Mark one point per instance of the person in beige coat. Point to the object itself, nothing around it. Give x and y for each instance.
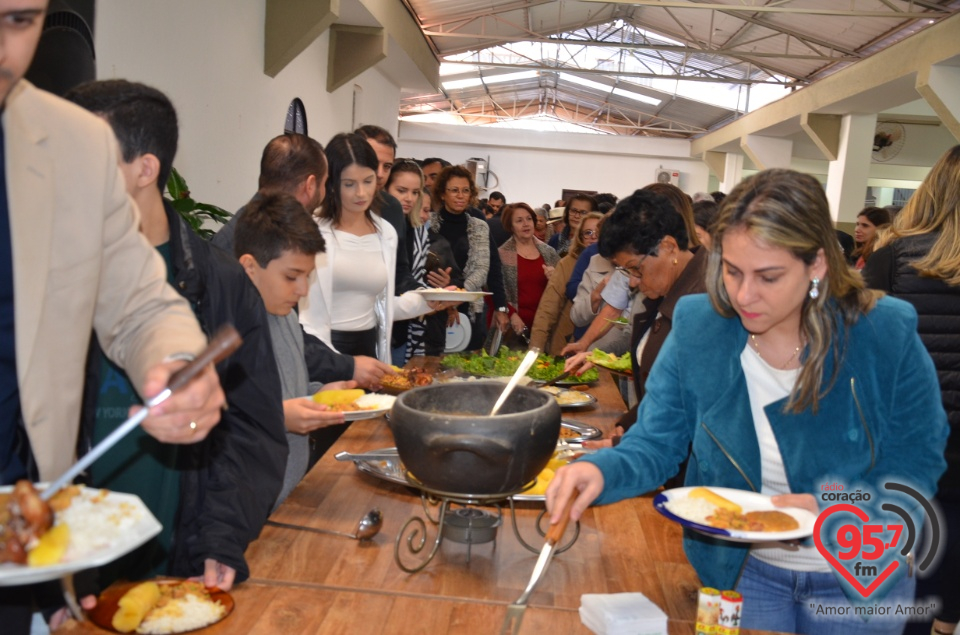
(552, 326)
(79, 263)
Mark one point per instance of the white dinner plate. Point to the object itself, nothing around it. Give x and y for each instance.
(750, 502)
(127, 525)
(458, 335)
(376, 404)
(444, 295)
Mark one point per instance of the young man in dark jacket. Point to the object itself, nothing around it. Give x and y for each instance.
(215, 495)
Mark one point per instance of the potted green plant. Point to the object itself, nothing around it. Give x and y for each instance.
(195, 213)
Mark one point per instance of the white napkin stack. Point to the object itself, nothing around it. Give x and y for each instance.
(622, 614)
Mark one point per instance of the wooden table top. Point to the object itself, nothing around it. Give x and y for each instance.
(303, 582)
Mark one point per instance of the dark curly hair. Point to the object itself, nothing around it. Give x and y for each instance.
(639, 222)
(451, 172)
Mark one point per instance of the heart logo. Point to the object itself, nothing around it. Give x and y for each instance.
(862, 515)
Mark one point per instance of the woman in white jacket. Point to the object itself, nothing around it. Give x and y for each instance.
(351, 304)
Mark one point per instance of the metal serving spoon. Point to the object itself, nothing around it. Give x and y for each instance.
(367, 528)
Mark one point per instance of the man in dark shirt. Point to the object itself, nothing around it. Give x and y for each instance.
(209, 508)
(497, 201)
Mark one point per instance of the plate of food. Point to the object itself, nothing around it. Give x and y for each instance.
(354, 403)
(451, 295)
(537, 491)
(620, 322)
(617, 364)
(405, 379)
(506, 361)
(735, 515)
(81, 528)
(576, 431)
(166, 605)
(570, 399)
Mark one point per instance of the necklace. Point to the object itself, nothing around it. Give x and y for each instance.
(756, 347)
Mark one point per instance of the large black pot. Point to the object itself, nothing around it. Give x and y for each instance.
(448, 442)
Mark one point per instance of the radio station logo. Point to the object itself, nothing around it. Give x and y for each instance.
(863, 550)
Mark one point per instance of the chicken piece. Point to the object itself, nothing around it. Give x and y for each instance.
(11, 549)
(28, 507)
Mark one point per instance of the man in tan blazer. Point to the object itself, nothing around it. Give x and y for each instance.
(77, 261)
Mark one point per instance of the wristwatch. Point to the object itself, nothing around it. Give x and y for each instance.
(502, 309)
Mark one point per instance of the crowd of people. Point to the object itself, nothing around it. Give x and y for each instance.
(763, 359)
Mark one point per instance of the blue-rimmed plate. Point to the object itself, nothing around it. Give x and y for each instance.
(670, 503)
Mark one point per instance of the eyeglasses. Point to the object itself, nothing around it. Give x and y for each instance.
(455, 191)
(633, 270)
(576, 212)
(591, 233)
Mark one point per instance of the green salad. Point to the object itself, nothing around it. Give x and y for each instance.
(507, 361)
(620, 364)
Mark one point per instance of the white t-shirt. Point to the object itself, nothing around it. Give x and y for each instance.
(765, 385)
(359, 276)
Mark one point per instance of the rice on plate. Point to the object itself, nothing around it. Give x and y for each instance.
(692, 509)
(97, 521)
(182, 614)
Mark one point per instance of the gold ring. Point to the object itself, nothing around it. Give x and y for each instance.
(193, 426)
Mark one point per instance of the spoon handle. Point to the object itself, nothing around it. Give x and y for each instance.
(525, 365)
(274, 523)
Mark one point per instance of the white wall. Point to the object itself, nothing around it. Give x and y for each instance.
(534, 167)
(208, 58)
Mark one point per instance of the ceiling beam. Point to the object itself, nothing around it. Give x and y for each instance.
(494, 40)
(596, 71)
(804, 38)
(933, 45)
(481, 13)
(734, 8)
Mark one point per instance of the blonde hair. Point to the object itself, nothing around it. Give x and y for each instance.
(789, 210)
(934, 208)
(412, 167)
(576, 245)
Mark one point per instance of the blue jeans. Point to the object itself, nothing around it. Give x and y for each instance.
(776, 599)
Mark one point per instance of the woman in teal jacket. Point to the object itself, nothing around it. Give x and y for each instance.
(788, 377)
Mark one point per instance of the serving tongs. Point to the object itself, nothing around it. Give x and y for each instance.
(374, 455)
(511, 624)
(223, 344)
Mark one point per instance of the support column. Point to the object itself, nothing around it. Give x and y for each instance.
(732, 172)
(716, 161)
(290, 26)
(353, 49)
(824, 131)
(767, 152)
(847, 176)
(940, 87)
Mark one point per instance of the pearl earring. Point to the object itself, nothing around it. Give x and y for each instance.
(815, 288)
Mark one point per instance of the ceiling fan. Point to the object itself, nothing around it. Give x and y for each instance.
(888, 140)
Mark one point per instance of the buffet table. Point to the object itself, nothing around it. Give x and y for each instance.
(309, 583)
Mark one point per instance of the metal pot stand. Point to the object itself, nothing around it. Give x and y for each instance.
(468, 525)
